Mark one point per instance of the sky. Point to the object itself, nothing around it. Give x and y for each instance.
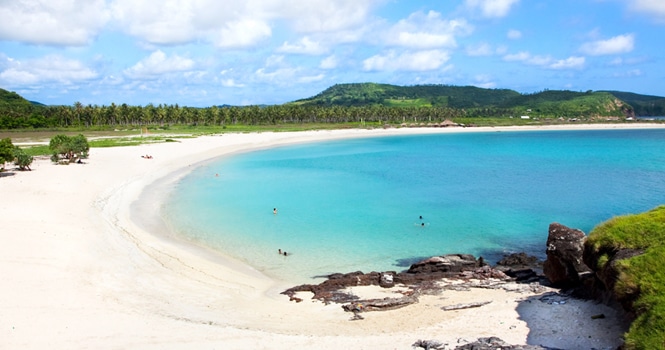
(201, 53)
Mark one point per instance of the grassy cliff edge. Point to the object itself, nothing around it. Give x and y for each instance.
(628, 255)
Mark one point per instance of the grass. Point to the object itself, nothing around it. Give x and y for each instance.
(35, 142)
(641, 275)
(418, 102)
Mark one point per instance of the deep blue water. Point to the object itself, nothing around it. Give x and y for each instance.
(356, 204)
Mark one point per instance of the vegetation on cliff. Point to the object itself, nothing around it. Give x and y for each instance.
(638, 280)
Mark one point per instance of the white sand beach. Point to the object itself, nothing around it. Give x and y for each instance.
(80, 270)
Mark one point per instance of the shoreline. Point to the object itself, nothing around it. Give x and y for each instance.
(88, 269)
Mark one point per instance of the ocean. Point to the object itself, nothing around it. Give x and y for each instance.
(383, 203)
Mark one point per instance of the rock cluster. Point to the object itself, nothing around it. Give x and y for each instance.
(564, 264)
(420, 277)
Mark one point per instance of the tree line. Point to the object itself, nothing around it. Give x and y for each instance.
(125, 115)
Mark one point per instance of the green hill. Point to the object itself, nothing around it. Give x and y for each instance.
(644, 105)
(364, 94)
(17, 112)
(564, 103)
(9, 99)
(548, 103)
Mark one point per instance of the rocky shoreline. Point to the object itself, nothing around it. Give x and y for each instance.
(563, 275)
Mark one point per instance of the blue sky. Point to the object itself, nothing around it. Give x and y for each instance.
(210, 52)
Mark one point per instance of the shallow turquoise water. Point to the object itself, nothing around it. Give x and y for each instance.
(355, 204)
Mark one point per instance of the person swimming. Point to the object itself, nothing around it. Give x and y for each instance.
(274, 211)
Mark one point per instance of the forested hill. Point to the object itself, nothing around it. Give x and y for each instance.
(10, 98)
(644, 105)
(363, 94)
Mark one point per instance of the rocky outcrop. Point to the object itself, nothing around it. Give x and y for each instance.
(564, 264)
(494, 343)
(445, 264)
(420, 276)
(521, 267)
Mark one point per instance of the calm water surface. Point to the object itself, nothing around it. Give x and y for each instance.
(356, 204)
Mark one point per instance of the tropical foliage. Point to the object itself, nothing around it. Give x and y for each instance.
(342, 103)
(6, 151)
(69, 149)
(9, 152)
(22, 159)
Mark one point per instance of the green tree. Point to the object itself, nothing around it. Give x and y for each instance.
(6, 151)
(22, 159)
(69, 148)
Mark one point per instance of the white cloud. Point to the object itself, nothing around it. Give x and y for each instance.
(491, 8)
(407, 61)
(483, 49)
(168, 22)
(230, 83)
(484, 81)
(279, 76)
(311, 78)
(314, 16)
(243, 33)
(514, 34)
(236, 24)
(330, 62)
(304, 46)
(48, 69)
(616, 45)
(655, 8)
(572, 62)
(548, 62)
(157, 64)
(425, 31)
(52, 22)
(520, 56)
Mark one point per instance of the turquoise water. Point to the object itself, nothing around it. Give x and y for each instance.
(356, 204)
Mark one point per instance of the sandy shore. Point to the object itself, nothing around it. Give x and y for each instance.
(79, 270)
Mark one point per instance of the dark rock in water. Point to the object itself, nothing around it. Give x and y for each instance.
(494, 343)
(564, 263)
(451, 264)
(519, 260)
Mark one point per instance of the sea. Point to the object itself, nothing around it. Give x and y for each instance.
(383, 203)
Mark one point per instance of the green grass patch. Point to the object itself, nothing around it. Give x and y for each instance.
(641, 275)
(39, 150)
(417, 102)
